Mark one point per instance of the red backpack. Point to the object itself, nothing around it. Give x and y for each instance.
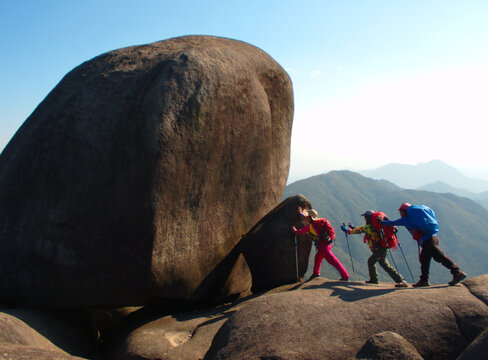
(321, 226)
(386, 233)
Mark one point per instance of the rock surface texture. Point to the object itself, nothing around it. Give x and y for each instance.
(318, 319)
(334, 320)
(388, 346)
(19, 341)
(140, 172)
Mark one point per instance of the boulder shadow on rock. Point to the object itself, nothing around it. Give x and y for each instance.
(269, 247)
(72, 331)
(478, 349)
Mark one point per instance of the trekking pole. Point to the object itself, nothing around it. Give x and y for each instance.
(296, 256)
(392, 259)
(350, 255)
(406, 262)
(389, 252)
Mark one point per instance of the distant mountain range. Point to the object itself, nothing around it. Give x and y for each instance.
(341, 196)
(441, 187)
(435, 176)
(422, 174)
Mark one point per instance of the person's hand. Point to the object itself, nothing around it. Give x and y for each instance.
(294, 229)
(344, 228)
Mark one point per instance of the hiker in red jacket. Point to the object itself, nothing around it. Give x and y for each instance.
(322, 234)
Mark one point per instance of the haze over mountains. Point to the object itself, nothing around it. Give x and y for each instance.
(341, 196)
(436, 176)
(415, 176)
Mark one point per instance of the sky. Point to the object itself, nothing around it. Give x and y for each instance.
(374, 82)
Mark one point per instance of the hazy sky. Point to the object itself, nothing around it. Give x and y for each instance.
(374, 82)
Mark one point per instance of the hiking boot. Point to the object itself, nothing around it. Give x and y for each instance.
(460, 276)
(344, 279)
(313, 276)
(421, 283)
(402, 283)
(371, 281)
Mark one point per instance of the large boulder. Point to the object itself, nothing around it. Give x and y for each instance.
(140, 172)
(334, 320)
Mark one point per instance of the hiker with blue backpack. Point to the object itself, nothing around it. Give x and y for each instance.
(379, 242)
(421, 222)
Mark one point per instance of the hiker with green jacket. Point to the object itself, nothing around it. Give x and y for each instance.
(379, 251)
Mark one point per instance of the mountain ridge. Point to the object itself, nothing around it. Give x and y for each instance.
(442, 187)
(422, 174)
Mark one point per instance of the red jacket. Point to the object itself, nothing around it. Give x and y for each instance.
(316, 227)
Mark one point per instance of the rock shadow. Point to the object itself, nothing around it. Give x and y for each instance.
(351, 291)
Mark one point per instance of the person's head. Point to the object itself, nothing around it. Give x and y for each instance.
(367, 216)
(403, 209)
(310, 215)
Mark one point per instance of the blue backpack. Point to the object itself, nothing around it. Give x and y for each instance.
(423, 218)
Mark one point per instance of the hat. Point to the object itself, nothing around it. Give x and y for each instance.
(404, 206)
(368, 213)
(312, 213)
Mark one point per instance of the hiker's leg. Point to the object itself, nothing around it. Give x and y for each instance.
(373, 273)
(440, 257)
(319, 256)
(334, 261)
(383, 261)
(425, 257)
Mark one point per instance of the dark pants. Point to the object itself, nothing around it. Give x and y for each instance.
(431, 250)
(379, 255)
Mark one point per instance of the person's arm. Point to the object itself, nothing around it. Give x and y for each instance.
(303, 230)
(357, 230)
(403, 221)
(330, 230)
(416, 234)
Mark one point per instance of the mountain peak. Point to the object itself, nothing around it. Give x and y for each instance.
(435, 162)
